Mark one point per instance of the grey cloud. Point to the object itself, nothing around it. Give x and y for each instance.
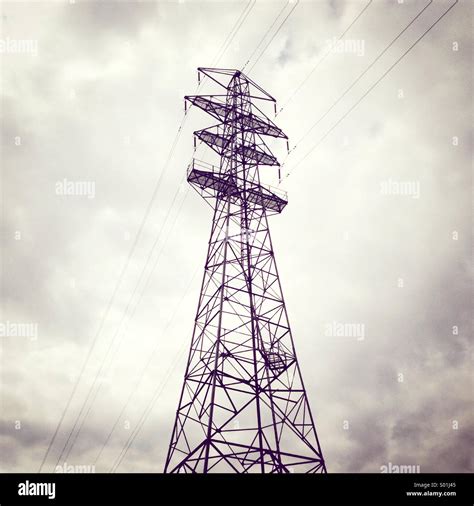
(129, 65)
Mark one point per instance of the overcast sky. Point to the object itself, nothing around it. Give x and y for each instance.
(97, 97)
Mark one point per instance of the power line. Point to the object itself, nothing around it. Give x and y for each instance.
(231, 31)
(305, 80)
(158, 391)
(372, 87)
(129, 304)
(230, 37)
(274, 35)
(155, 349)
(264, 37)
(144, 369)
(117, 285)
(250, 5)
(130, 316)
(361, 75)
(150, 205)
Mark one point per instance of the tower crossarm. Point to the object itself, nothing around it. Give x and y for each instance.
(220, 142)
(215, 106)
(211, 182)
(221, 77)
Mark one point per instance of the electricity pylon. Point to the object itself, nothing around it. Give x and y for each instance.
(243, 406)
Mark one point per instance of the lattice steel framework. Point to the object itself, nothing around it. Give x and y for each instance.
(243, 406)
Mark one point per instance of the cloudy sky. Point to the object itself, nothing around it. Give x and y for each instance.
(92, 92)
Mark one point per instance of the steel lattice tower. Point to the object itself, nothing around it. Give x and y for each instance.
(243, 406)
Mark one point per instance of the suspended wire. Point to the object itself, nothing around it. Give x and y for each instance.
(124, 317)
(305, 80)
(154, 351)
(230, 37)
(230, 33)
(129, 304)
(144, 370)
(274, 35)
(250, 5)
(132, 313)
(138, 302)
(130, 318)
(362, 74)
(290, 151)
(114, 293)
(372, 87)
(147, 213)
(178, 190)
(156, 395)
(265, 36)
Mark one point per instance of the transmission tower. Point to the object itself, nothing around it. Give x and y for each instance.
(243, 406)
